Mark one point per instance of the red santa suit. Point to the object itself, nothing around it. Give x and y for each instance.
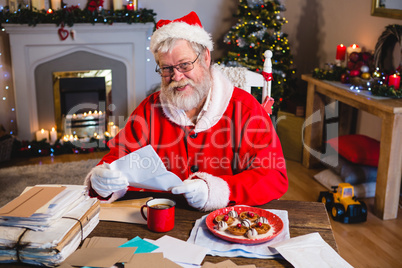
(233, 146)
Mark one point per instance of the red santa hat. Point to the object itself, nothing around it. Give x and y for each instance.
(188, 27)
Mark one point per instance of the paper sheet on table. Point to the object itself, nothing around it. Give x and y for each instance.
(310, 251)
(180, 251)
(124, 211)
(100, 257)
(144, 169)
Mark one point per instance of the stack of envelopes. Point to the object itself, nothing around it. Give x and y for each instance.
(46, 223)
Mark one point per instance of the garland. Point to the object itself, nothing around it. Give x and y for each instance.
(70, 15)
(332, 74)
(335, 74)
(386, 91)
(42, 148)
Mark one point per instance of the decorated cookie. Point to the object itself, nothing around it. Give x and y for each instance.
(261, 228)
(249, 215)
(237, 229)
(229, 220)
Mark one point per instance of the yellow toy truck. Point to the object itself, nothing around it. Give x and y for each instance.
(342, 204)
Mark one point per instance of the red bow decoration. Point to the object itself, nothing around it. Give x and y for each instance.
(190, 18)
(267, 104)
(267, 76)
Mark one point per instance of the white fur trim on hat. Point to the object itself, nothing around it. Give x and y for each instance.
(218, 191)
(181, 30)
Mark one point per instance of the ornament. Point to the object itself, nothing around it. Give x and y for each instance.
(364, 69)
(254, 3)
(354, 57)
(366, 76)
(354, 73)
(63, 33)
(72, 33)
(344, 78)
(241, 42)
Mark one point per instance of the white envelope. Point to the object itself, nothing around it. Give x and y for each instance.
(310, 251)
(180, 251)
(144, 169)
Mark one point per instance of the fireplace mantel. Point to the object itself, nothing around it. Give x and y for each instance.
(32, 46)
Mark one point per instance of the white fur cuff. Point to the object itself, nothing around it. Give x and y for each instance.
(87, 181)
(218, 191)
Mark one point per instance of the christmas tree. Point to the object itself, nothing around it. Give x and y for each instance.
(257, 30)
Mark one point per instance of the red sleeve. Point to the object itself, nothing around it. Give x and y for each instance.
(260, 175)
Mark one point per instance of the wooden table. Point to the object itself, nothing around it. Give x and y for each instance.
(389, 110)
(304, 218)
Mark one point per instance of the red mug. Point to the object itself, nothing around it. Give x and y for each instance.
(160, 214)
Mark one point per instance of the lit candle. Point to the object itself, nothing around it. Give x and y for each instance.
(394, 80)
(38, 4)
(117, 4)
(42, 134)
(106, 4)
(340, 52)
(109, 127)
(130, 6)
(49, 11)
(114, 130)
(353, 48)
(53, 136)
(56, 4)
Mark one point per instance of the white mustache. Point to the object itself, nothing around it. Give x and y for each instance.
(181, 83)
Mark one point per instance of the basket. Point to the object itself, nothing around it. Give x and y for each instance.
(6, 146)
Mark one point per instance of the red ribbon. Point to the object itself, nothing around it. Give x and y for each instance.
(267, 104)
(267, 76)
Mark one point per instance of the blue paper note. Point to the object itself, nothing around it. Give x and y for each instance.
(142, 245)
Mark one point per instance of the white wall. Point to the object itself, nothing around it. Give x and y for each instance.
(316, 27)
(215, 15)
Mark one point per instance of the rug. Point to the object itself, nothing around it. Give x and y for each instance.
(13, 180)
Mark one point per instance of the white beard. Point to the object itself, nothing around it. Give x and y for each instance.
(186, 100)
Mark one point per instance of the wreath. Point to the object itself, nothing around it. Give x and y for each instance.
(383, 53)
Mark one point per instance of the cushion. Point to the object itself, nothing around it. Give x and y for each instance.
(358, 149)
(328, 178)
(348, 171)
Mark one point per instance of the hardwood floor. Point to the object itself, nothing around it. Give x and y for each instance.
(374, 243)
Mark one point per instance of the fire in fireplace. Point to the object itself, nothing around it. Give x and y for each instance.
(81, 101)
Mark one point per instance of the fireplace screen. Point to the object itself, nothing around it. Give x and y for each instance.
(82, 100)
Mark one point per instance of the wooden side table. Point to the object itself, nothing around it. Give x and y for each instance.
(389, 110)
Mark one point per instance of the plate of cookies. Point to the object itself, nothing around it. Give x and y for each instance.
(244, 224)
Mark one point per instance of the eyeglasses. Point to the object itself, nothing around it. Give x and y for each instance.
(181, 67)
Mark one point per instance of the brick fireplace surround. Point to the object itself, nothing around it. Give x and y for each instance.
(34, 46)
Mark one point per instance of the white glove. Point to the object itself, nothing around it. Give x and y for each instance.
(195, 191)
(106, 181)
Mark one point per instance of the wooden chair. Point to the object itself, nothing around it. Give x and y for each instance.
(245, 79)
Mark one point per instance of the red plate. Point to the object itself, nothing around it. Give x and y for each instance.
(273, 220)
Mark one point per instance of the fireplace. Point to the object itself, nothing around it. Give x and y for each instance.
(82, 102)
(38, 52)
